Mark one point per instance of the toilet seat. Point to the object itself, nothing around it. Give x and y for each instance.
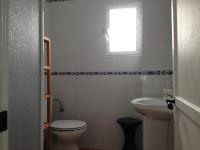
(68, 125)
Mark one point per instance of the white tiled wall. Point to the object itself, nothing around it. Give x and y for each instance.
(99, 101)
(152, 85)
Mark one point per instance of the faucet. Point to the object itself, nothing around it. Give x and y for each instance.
(60, 103)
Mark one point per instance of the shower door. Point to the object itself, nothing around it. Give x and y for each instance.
(3, 78)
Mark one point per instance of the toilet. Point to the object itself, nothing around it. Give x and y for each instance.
(66, 133)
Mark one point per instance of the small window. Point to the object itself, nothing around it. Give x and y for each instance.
(123, 32)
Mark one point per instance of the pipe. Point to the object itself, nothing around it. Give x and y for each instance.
(60, 103)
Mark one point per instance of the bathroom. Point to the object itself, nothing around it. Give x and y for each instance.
(91, 84)
(79, 45)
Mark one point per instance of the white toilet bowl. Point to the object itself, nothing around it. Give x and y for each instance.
(66, 134)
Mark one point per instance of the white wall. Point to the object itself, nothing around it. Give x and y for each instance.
(80, 44)
(157, 53)
(76, 30)
(99, 101)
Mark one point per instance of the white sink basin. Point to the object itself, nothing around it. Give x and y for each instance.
(154, 107)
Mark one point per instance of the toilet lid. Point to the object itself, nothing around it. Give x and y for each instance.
(68, 124)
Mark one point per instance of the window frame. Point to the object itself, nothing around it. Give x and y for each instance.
(139, 14)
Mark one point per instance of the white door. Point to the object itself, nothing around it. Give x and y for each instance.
(3, 73)
(186, 50)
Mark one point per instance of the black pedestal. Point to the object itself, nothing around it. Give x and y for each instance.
(129, 126)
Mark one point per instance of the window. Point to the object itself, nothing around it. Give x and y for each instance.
(123, 32)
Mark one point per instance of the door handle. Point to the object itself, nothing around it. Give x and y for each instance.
(171, 103)
(3, 121)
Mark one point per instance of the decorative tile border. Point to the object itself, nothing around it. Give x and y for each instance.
(133, 73)
(57, 0)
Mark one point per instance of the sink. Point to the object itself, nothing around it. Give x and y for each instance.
(153, 107)
(157, 121)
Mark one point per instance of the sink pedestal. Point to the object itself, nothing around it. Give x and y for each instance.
(157, 134)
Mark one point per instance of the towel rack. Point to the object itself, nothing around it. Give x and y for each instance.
(48, 94)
